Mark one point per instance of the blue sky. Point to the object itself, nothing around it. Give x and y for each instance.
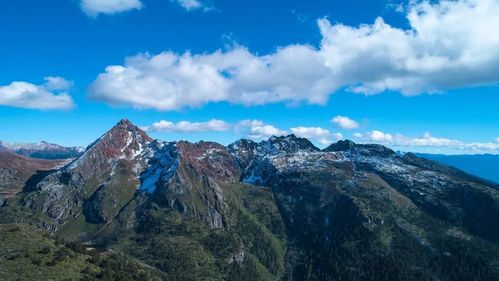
(392, 81)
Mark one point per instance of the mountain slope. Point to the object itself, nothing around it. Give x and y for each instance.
(364, 207)
(279, 209)
(16, 171)
(27, 253)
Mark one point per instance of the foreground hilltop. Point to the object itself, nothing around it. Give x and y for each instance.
(279, 209)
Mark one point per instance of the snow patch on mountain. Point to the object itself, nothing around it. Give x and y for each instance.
(160, 167)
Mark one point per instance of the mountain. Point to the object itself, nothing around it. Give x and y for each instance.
(16, 171)
(42, 150)
(279, 209)
(482, 165)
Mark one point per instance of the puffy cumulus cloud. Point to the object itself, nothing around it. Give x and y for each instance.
(190, 5)
(323, 136)
(427, 140)
(49, 96)
(345, 122)
(95, 7)
(212, 125)
(170, 81)
(164, 82)
(256, 129)
(449, 44)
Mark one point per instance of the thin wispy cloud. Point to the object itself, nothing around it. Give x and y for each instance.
(51, 95)
(450, 44)
(302, 18)
(191, 5)
(95, 7)
(212, 125)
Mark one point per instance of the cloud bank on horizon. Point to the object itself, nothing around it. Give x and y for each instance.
(253, 129)
(259, 130)
(426, 140)
(449, 45)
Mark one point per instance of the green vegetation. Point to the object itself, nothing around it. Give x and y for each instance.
(27, 253)
(184, 248)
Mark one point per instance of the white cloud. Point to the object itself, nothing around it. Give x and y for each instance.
(345, 122)
(55, 83)
(213, 125)
(256, 129)
(51, 95)
(190, 5)
(163, 82)
(450, 44)
(169, 81)
(375, 136)
(95, 7)
(426, 140)
(321, 135)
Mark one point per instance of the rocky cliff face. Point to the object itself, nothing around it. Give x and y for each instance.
(277, 209)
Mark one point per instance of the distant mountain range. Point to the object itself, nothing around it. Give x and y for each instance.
(42, 150)
(483, 165)
(279, 209)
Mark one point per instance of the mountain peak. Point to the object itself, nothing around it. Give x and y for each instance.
(123, 141)
(125, 124)
(126, 128)
(342, 145)
(125, 121)
(364, 149)
(289, 143)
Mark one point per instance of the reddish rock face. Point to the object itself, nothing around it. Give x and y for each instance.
(101, 181)
(16, 170)
(123, 142)
(209, 159)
